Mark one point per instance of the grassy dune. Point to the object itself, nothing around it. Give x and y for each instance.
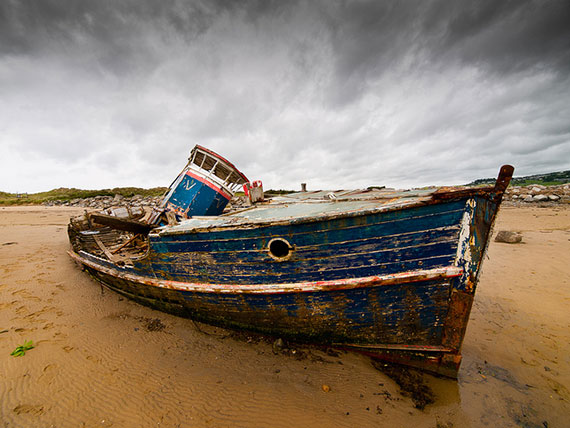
(549, 179)
(65, 194)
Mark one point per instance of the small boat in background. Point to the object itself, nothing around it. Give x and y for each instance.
(391, 274)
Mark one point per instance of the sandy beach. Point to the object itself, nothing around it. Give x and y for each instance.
(101, 360)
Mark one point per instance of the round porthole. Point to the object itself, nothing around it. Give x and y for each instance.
(279, 249)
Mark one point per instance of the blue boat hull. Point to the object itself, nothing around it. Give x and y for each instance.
(352, 247)
(392, 280)
(396, 284)
(405, 313)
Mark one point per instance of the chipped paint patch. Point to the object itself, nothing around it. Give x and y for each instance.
(371, 281)
(463, 256)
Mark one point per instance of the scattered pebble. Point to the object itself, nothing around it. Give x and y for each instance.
(154, 324)
(278, 346)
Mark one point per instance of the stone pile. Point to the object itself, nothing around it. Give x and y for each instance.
(103, 202)
(536, 193)
(518, 195)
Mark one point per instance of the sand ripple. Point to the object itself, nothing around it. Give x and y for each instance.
(101, 360)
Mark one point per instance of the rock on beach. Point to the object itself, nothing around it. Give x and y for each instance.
(508, 237)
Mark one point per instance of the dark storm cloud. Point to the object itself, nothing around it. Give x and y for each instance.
(417, 91)
(366, 38)
(115, 34)
(508, 36)
(29, 25)
(369, 38)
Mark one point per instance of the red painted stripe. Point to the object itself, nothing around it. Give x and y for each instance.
(209, 184)
(339, 284)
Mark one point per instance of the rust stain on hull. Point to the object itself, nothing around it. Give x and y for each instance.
(380, 280)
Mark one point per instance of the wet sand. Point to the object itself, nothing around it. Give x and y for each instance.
(101, 360)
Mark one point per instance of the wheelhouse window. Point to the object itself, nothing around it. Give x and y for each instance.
(225, 173)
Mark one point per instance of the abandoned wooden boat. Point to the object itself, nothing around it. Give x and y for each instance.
(391, 274)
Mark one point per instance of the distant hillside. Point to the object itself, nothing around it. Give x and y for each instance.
(65, 194)
(549, 179)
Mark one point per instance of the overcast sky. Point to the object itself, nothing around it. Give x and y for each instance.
(338, 94)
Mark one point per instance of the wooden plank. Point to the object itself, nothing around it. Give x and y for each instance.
(100, 244)
(124, 244)
(128, 225)
(327, 232)
(204, 270)
(348, 283)
(171, 217)
(245, 227)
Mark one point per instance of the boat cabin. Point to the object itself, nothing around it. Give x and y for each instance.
(204, 187)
